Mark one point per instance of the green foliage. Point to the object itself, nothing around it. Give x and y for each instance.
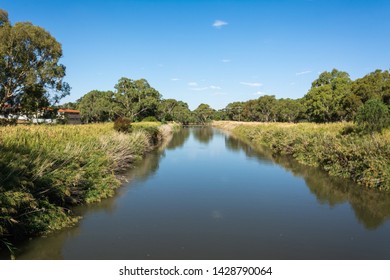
(31, 76)
(373, 116)
(203, 114)
(375, 85)
(150, 119)
(135, 99)
(324, 101)
(97, 106)
(173, 110)
(123, 125)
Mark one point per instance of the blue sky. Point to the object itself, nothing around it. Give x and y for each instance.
(213, 52)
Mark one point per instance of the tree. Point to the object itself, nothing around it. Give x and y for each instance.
(373, 116)
(29, 62)
(266, 105)
(97, 106)
(204, 113)
(166, 109)
(234, 111)
(375, 85)
(324, 101)
(136, 99)
(181, 113)
(288, 110)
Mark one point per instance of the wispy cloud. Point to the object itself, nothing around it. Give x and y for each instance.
(225, 60)
(302, 73)
(251, 84)
(219, 23)
(175, 79)
(196, 88)
(193, 84)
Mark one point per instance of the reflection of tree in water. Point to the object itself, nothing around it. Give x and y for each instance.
(258, 153)
(203, 134)
(371, 208)
(178, 139)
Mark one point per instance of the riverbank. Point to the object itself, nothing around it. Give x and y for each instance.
(334, 148)
(45, 170)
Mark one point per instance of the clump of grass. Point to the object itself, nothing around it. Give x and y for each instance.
(337, 148)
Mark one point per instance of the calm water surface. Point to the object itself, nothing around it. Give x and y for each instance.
(210, 196)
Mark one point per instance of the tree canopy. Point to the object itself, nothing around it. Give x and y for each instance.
(31, 75)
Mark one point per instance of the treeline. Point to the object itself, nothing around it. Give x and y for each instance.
(136, 100)
(333, 97)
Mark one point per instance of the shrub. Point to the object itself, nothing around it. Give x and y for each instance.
(150, 119)
(123, 125)
(373, 116)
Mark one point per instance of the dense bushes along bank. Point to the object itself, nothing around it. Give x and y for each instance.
(335, 148)
(46, 169)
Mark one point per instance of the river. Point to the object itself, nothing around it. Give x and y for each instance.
(207, 195)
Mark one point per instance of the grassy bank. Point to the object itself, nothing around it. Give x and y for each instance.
(334, 148)
(44, 170)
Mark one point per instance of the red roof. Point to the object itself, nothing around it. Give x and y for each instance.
(68, 111)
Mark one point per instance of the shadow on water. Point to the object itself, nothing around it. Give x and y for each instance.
(371, 208)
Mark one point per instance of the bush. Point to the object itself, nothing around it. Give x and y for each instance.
(150, 119)
(373, 116)
(123, 125)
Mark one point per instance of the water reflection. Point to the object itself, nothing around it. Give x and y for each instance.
(262, 155)
(371, 208)
(179, 139)
(203, 134)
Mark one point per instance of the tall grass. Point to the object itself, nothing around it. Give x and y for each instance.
(44, 170)
(335, 148)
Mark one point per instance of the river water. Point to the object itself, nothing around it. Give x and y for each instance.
(210, 196)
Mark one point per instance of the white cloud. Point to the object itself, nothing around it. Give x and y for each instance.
(251, 84)
(175, 79)
(193, 84)
(194, 87)
(219, 23)
(225, 60)
(302, 73)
